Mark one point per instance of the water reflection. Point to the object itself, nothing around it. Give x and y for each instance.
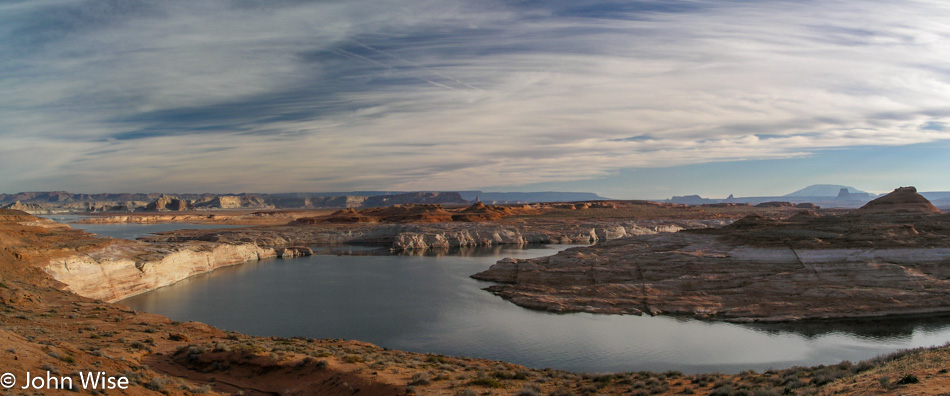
(881, 329)
(466, 251)
(428, 303)
(131, 230)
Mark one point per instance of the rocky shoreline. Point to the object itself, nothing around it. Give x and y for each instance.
(697, 275)
(403, 237)
(890, 258)
(123, 270)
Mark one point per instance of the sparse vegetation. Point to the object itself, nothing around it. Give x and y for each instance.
(94, 338)
(488, 382)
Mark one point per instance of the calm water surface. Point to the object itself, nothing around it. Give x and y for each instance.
(130, 230)
(429, 304)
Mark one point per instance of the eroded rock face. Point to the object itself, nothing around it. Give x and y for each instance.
(293, 251)
(121, 271)
(470, 235)
(904, 200)
(169, 203)
(699, 275)
(893, 257)
(233, 202)
(31, 208)
(429, 236)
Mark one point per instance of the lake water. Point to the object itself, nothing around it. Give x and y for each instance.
(429, 304)
(130, 230)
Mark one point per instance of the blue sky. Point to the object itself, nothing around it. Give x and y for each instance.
(630, 99)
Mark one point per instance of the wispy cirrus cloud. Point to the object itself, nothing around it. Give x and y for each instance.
(338, 95)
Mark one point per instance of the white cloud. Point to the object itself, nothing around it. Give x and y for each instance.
(445, 95)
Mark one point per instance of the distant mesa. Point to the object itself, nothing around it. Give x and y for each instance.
(169, 203)
(824, 195)
(233, 202)
(529, 197)
(726, 205)
(415, 198)
(844, 194)
(692, 200)
(64, 202)
(825, 190)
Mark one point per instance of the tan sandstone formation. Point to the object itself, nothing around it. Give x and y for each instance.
(169, 203)
(404, 237)
(122, 270)
(891, 257)
(233, 202)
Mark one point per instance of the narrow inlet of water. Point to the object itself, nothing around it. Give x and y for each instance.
(131, 230)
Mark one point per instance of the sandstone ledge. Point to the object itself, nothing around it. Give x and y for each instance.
(891, 257)
(701, 276)
(408, 237)
(124, 270)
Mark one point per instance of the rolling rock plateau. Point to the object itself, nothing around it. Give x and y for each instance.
(891, 256)
(128, 268)
(56, 284)
(416, 228)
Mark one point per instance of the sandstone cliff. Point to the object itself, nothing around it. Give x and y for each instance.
(31, 208)
(123, 270)
(447, 236)
(402, 237)
(233, 202)
(168, 202)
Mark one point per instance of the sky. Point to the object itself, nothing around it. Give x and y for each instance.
(629, 99)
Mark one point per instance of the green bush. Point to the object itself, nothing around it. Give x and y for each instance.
(908, 379)
(488, 382)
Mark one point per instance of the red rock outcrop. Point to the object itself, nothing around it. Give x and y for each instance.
(481, 212)
(344, 216)
(425, 213)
